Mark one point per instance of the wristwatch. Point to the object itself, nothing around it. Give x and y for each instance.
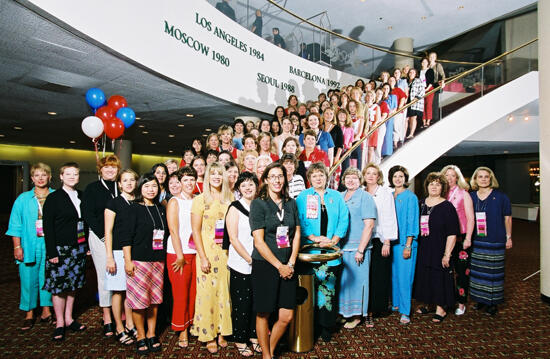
(361, 253)
(408, 247)
(290, 265)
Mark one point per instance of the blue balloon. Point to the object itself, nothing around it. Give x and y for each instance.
(127, 116)
(95, 98)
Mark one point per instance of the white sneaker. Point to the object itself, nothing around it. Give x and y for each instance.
(459, 311)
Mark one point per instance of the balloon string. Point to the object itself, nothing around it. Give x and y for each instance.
(104, 144)
(95, 140)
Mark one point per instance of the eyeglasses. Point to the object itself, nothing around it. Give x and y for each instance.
(276, 177)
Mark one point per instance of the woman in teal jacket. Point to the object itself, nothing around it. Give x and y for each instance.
(29, 250)
(324, 220)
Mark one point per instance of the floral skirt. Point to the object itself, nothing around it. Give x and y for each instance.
(69, 273)
(326, 281)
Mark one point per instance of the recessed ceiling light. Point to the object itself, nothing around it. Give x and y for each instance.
(17, 128)
(204, 135)
(153, 143)
(145, 132)
(138, 118)
(170, 151)
(72, 141)
(423, 18)
(461, 7)
(2, 135)
(171, 135)
(526, 118)
(510, 118)
(208, 129)
(141, 126)
(181, 125)
(390, 27)
(190, 115)
(505, 151)
(51, 113)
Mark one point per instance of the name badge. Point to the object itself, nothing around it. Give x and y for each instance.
(191, 243)
(218, 231)
(282, 237)
(307, 164)
(39, 228)
(481, 224)
(312, 207)
(80, 234)
(424, 225)
(158, 239)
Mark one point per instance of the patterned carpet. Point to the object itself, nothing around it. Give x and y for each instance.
(519, 330)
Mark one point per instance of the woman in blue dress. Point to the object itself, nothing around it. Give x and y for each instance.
(324, 219)
(404, 252)
(492, 236)
(356, 248)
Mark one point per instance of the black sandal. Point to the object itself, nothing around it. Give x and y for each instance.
(142, 344)
(58, 334)
(28, 324)
(76, 326)
(108, 330)
(438, 318)
(124, 338)
(48, 320)
(151, 342)
(423, 310)
(257, 348)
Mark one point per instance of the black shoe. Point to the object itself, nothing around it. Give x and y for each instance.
(154, 344)
(326, 335)
(479, 306)
(491, 310)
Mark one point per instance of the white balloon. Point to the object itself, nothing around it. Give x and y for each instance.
(92, 126)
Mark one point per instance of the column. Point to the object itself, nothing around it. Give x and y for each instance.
(123, 150)
(403, 44)
(544, 145)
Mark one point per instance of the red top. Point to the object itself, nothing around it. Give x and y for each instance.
(399, 93)
(198, 188)
(316, 156)
(384, 108)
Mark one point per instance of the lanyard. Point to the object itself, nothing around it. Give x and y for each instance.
(198, 188)
(39, 207)
(105, 185)
(154, 223)
(453, 193)
(280, 214)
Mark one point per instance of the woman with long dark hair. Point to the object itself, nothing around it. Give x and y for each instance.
(144, 245)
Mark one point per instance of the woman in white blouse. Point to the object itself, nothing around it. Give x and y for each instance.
(385, 231)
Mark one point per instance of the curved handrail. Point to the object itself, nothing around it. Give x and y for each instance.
(374, 47)
(455, 78)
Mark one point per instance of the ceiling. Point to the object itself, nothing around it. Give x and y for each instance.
(44, 68)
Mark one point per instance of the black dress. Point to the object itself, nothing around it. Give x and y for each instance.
(434, 284)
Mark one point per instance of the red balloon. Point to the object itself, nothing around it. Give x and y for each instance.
(114, 128)
(116, 102)
(105, 113)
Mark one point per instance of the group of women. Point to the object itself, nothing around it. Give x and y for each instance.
(228, 250)
(213, 240)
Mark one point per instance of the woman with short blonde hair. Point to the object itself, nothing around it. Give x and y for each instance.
(492, 236)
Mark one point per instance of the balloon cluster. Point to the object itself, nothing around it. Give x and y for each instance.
(111, 116)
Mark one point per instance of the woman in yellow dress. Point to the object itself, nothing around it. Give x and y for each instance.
(213, 301)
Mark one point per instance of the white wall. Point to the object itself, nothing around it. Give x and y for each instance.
(179, 39)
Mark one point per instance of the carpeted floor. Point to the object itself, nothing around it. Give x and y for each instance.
(520, 330)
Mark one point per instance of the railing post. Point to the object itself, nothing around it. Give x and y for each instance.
(482, 79)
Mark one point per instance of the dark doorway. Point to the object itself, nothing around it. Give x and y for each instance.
(11, 186)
